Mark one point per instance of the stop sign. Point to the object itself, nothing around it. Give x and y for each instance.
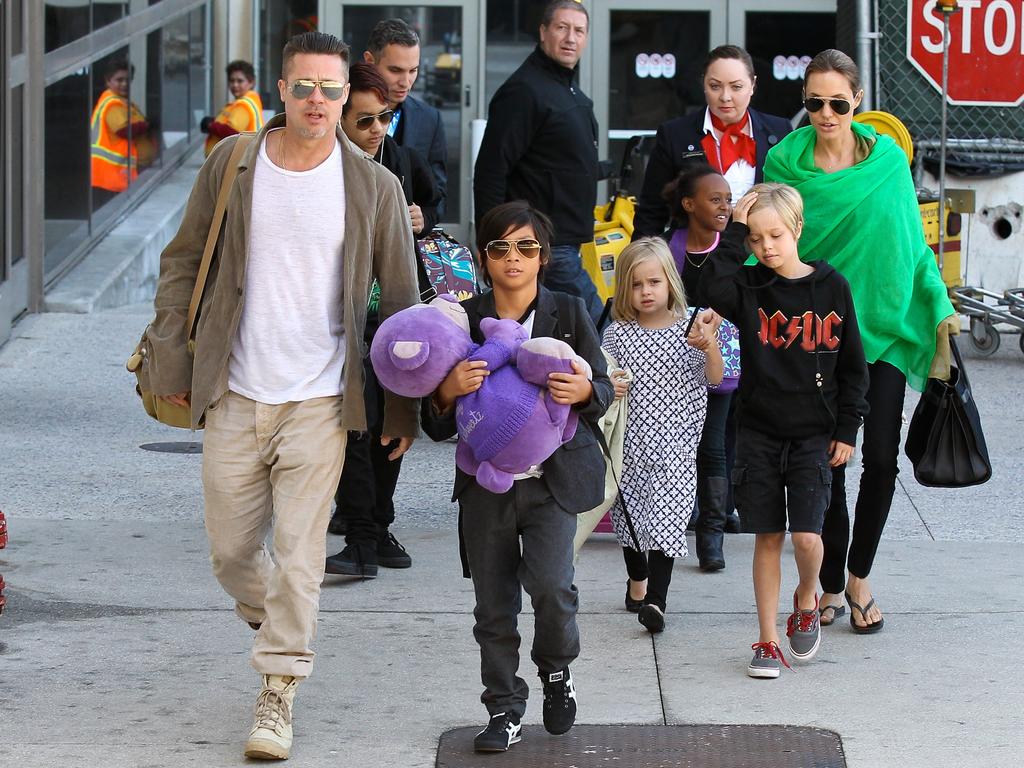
(986, 50)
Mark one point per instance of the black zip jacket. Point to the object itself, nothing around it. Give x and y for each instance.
(802, 362)
(540, 145)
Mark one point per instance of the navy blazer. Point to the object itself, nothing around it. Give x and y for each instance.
(680, 137)
(421, 128)
(575, 472)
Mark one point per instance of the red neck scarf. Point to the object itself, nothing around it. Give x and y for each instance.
(722, 155)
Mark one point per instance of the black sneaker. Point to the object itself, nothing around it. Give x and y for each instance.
(354, 560)
(559, 701)
(502, 731)
(391, 554)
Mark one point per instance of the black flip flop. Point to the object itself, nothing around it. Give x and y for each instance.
(837, 611)
(869, 629)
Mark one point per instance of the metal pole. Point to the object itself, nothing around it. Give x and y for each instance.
(947, 8)
(866, 42)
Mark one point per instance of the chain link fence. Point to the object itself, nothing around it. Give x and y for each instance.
(982, 140)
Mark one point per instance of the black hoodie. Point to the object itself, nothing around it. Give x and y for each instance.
(790, 332)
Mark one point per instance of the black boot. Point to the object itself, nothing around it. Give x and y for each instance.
(711, 495)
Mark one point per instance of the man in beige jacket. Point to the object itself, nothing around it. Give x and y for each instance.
(277, 369)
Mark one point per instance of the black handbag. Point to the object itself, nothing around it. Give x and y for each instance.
(945, 441)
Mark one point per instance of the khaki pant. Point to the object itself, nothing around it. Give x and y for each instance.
(277, 464)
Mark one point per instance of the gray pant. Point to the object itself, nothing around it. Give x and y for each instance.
(492, 525)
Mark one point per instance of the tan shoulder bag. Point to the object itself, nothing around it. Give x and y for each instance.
(161, 410)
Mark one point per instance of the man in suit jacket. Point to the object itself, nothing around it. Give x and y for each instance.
(394, 49)
(678, 141)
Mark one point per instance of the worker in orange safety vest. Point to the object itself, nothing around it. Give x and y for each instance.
(119, 132)
(243, 114)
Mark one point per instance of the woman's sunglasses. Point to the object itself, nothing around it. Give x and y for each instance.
(499, 249)
(365, 122)
(839, 106)
(331, 89)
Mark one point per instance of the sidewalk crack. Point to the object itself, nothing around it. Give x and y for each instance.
(661, 690)
(916, 510)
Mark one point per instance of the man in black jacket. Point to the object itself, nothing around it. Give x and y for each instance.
(540, 145)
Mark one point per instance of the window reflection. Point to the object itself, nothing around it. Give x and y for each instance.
(512, 30)
(120, 136)
(66, 21)
(170, 57)
(67, 104)
(199, 97)
(106, 12)
(17, 179)
(282, 20)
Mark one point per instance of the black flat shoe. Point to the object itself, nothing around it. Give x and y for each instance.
(633, 606)
(863, 629)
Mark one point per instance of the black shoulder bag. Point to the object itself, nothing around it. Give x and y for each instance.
(945, 441)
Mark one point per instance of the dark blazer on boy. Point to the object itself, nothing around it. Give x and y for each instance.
(676, 141)
(574, 473)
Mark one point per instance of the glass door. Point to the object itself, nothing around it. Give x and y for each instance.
(447, 81)
(782, 36)
(645, 66)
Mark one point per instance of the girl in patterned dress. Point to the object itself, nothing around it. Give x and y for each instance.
(667, 403)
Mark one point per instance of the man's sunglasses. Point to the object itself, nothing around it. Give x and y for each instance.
(365, 122)
(499, 249)
(303, 89)
(839, 106)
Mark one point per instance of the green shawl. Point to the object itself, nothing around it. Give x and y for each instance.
(866, 223)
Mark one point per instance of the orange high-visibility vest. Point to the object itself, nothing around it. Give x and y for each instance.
(114, 159)
(244, 114)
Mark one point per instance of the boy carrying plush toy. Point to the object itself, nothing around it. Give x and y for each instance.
(522, 538)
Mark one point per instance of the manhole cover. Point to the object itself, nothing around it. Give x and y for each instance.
(173, 447)
(658, 746)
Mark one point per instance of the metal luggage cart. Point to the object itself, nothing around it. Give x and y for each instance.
(988, 309)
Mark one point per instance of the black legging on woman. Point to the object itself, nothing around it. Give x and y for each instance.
(879, 452)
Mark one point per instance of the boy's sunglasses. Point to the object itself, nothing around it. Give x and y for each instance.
(839, 106)
(499, 249)
(365, 122)
(331, 89)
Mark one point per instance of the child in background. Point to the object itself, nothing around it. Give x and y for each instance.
(801, 402)
(700, 202)
(522, 539)
(667, 402)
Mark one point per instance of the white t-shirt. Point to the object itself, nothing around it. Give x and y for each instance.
(741, 173)
(290, 344)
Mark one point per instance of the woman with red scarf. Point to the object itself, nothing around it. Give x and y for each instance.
(733, 138)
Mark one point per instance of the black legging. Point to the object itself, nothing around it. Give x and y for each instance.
(879, 452)
(654, 566)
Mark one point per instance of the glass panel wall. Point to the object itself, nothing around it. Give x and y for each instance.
(67, 105)
(280, 21)
(17, 29)
(198, 87)
(16, 163)
(109, 125)
(512, 30)
(66, 21)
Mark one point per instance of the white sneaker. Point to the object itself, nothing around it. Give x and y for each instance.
(271, 734)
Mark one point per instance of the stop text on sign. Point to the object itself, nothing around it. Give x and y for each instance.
(1001, 27)
(986, 49)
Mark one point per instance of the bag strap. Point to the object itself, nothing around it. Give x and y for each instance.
(230, 172)
(564, 305)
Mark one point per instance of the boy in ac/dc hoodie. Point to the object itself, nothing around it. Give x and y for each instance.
(802, 398)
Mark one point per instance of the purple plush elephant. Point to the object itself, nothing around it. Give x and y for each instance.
(511, 424)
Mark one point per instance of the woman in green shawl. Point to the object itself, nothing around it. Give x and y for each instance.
(862, 217)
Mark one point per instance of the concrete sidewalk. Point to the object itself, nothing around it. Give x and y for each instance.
(119, 649)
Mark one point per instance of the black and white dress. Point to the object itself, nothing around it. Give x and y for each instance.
(667, 402)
